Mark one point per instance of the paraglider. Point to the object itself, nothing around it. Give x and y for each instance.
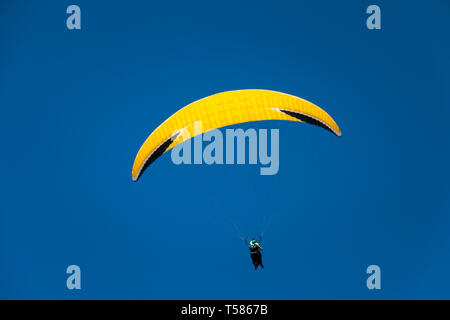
(224, 109)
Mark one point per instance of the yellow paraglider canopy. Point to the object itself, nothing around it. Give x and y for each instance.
(224, 109)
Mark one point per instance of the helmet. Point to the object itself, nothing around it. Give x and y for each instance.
(252, 242)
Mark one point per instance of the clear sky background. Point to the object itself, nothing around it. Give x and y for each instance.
(77, 105)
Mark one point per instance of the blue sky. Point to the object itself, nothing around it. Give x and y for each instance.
(77, 105)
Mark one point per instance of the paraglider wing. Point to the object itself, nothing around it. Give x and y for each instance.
(224, 109)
